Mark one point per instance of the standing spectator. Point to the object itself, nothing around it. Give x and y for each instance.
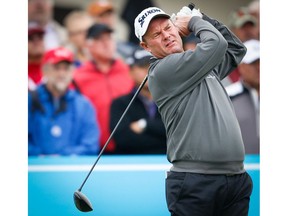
(245, 96)
(254, 10)
(61, 121)
(141, 131)
(104, 12)
(244, 26)
(41, 11)
(36, 50)
(77, 23)
(104, 77)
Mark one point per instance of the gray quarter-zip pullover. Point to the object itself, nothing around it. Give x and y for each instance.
(203, 134)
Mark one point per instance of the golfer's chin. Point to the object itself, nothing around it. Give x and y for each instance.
(175, 49)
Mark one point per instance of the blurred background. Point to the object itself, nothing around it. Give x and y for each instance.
(218, 9)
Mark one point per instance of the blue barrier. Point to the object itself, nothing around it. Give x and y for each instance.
(118, 186)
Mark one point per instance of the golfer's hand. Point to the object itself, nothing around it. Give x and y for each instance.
(182, 19)
(181, 23)
(187, 11)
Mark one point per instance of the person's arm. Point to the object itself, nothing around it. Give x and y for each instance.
(153, 127)
(235, 51)
(156, 127)
(128, 140)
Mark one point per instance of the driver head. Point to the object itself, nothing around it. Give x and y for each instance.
(81, 202)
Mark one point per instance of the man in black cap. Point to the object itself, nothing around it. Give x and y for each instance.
(104, 77)
(142, 130)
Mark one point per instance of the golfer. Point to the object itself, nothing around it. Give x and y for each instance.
(204, 142)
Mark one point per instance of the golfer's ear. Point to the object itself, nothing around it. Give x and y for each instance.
(144, 46)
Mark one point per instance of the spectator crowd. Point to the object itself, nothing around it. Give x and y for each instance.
(81, 77)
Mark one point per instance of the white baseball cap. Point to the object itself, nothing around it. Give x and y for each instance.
(253, 51)
(142, 21)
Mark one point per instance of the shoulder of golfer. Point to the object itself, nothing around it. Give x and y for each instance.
(191, 67)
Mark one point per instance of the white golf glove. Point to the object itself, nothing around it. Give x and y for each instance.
(186, 11)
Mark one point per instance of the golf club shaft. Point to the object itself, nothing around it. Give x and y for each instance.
(191, 6)
(115, 128)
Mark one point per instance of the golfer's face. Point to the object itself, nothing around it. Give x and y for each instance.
(162, 38)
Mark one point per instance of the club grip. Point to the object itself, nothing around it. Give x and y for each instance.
(191, 6)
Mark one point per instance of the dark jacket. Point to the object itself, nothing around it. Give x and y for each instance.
(246, 106)
(153, 138)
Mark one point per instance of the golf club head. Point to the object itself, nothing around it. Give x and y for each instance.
(81, 202)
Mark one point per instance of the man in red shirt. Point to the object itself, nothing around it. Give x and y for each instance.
(36, 51)
(103, 78)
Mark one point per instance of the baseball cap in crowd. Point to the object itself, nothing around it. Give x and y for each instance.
(143, 19)
(56, 55)
(240, 17)
(35, 28)
(97, 29)
(139, 57)
(97, 8)
(253, 51)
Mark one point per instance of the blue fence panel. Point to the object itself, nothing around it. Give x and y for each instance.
(118, 185)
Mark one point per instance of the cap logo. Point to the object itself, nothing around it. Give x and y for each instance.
(141, 19)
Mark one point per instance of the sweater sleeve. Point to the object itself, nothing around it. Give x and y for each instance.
(235, 51)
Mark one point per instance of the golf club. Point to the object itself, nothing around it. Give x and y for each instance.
(81, 201)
